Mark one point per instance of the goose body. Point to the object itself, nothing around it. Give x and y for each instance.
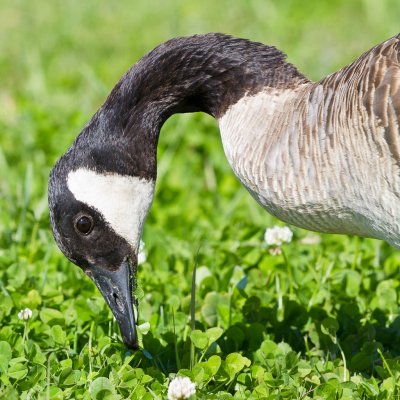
(323, 156)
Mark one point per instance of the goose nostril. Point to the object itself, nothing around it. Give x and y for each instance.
(118, 302)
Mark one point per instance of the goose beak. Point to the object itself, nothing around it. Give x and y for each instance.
(116, 288)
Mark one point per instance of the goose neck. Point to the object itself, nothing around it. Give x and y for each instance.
(205, 73)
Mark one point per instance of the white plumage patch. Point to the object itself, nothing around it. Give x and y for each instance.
(123, 201)
(246, 125)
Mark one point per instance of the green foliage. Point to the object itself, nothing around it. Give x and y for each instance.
(320, 322)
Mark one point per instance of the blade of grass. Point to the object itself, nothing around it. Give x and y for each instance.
(193, 306)
(177, 358)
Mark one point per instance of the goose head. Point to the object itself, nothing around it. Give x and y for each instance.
(97, 219)
(101, 190)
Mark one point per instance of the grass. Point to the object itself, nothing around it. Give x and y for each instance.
(320, 321)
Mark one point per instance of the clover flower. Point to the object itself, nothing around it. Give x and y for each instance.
(275, 251)
(181, 388)
(141, 258)
(25, 314)
(278, 235)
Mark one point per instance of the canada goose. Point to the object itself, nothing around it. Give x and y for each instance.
(322, 156)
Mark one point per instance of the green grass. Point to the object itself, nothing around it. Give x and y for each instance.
(321, 321)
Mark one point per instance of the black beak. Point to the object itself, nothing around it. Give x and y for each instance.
(116, 288)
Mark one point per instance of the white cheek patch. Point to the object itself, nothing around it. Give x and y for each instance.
(123, 201)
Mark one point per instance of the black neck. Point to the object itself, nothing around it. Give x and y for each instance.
(202, 73)
(205, 73)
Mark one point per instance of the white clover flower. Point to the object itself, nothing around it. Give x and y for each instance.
(275, 251)
(181, 388)
(278, 235)
(25, 314)
(141, 258)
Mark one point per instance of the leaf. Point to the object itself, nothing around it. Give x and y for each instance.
(5, 355)
(330, 326)
(268, 348)
(34, 353)
(214, 334)
(252, 256)
(353, 283)
(214, 306)
(58, 334)
(101, 388)
(186, 372)
(200, 374)
(386, 295)
(68, 376)
(202, 273)
(234, 363)
(36, 373)
(257, 373)
(326, 391)
(55, 392)
(67, 363)
(291, 359)
(33, 299)
(199, 339)
(389, 384)
(213, 363)
(9, 393)
(51, 316)
(284, 348)
(360, 362)
(174, 301)
(237, 275)
(144, 328)
(17, 371)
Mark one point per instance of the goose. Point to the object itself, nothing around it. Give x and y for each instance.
(323, 156)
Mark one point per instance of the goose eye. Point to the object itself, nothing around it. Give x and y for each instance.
(84, 225)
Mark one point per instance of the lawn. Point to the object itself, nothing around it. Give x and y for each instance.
(321, 320)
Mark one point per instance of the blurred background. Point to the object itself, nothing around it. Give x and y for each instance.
(60, 59)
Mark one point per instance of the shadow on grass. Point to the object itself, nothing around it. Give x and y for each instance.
(299, 328)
